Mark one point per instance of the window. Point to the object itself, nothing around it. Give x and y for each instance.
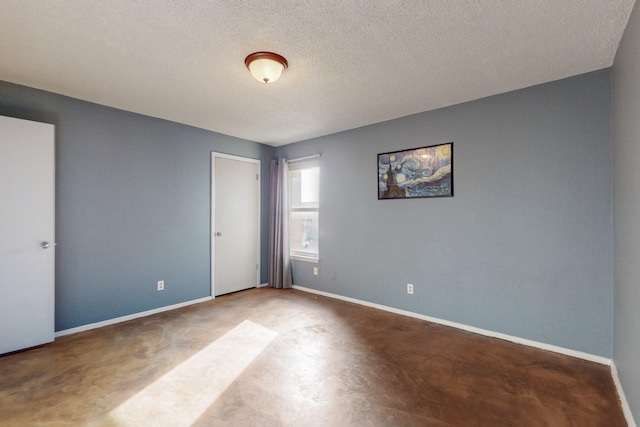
(304, 204)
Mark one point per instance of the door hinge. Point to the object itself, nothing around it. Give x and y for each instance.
(257, 177)
(257, 267)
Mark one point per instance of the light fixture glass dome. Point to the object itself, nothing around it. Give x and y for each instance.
(266, 67)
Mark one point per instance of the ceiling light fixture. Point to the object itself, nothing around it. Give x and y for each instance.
(266, 66)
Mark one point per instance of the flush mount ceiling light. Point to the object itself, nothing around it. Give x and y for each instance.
(266, 66)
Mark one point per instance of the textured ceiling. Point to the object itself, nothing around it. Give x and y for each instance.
(351, 62)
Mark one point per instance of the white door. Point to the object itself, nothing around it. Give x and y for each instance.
(235, 223)
(26, 234)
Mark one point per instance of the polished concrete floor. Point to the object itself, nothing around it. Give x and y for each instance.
(268, 357)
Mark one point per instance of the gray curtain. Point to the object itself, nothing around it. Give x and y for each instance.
(279, 261)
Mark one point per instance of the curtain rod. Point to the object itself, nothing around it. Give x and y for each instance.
(313, 156)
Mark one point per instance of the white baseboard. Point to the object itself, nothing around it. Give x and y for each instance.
(262, 285)
(517, 340)
(129, 317)
(623, 398)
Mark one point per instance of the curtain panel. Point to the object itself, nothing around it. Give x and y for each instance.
(279, 260)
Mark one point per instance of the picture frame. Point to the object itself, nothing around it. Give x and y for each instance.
(416, 172)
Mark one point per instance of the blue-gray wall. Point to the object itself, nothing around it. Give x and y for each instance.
(525, 247)
(132, 205)
(626, 197)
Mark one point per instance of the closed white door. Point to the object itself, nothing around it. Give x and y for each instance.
(26, 234)
(235, 223)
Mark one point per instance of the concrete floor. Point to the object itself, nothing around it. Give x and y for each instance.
(268, 357)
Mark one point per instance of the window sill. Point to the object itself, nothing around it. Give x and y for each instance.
(312, 259)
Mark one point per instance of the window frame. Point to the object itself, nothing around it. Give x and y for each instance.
(293, 167)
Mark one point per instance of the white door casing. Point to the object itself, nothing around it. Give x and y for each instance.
(235, 223)
(27, 248)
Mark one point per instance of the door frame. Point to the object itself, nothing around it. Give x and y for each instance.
(212, 229)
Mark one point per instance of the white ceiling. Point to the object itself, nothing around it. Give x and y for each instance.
(351, 62)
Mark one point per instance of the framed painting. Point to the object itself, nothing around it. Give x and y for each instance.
(418, 172)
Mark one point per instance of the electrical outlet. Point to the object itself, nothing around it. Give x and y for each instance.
(161, 285)
(315, 271)
(334, 276)
(409, 288)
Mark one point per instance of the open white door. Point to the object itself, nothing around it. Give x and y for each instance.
(235, 223)
(27, 238)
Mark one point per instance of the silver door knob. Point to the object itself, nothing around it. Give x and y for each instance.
(218, 233)
(46, 245)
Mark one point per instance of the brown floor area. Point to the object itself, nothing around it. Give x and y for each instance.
(332, 363)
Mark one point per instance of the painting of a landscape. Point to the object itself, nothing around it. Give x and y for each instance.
(419, 172)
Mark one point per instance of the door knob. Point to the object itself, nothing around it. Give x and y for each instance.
(218, 233)
(47, 245)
